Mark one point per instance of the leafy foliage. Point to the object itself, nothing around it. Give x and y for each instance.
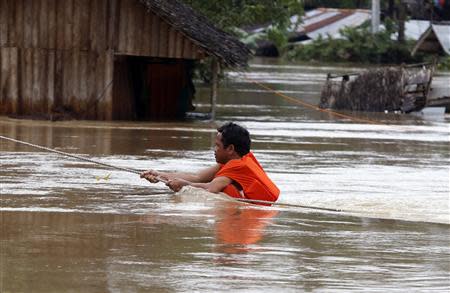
(230, 15)
(357, 45)
(444, 63)
(227, 14)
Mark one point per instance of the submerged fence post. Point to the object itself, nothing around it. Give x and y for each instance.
(214, 84)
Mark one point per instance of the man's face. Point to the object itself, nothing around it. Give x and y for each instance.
(220, 153)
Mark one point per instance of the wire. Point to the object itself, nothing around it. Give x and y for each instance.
(70, 155)
(307, 105)
(134, 171)
(266, 202)
(78, 157)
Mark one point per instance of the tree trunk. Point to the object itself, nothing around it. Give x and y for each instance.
(391, 9)
(214, 85)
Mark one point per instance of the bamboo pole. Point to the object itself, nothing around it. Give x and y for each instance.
(214, 85)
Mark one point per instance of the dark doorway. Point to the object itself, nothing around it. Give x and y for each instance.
(151, 88)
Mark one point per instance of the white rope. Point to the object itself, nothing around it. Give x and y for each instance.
(159, 178)
(286, 204)
(70, 155)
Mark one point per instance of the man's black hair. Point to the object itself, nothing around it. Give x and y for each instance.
(236, 135)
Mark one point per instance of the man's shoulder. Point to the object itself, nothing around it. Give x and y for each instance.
(246, 162)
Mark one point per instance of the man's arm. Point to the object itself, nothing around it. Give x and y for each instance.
(202, 176)
(215, 186)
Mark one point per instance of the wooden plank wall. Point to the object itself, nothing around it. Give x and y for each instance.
(143, 33)
(56, 53)
(60, 53)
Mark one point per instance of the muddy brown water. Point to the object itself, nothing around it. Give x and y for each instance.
(71, 226)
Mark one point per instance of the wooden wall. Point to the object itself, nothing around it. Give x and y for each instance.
(142, 33)
(56, 53)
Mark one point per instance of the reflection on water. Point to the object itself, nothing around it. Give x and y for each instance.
(65, 230)
(238, 228)
(293, 251)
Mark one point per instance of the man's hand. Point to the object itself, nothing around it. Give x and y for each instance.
(153, 176)
(177, 183)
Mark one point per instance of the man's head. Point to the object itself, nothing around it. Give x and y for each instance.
(232, 141)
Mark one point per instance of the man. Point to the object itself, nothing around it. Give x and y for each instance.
(237, 172)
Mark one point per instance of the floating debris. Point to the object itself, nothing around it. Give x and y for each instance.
(404, 89)
(106, 178)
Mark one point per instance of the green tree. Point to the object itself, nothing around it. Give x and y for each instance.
(358, 45)
(227, 14)
(230, 15)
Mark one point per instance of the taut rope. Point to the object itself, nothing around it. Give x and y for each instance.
(71, 155)
(247, 200)
(134, 171)
(305, 104)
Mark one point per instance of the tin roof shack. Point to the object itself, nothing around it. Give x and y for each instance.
(105, 59)
(319, 22)
(402, 88)
(326, 22)
(435, 40)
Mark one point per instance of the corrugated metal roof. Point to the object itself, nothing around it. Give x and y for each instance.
(435, 38)
(443, 34)
(352, 20)
(328, 21)
(317, 18)
(415, 28)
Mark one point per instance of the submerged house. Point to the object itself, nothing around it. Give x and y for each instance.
(105, 59)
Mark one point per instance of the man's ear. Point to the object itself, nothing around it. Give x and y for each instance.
(230, 148)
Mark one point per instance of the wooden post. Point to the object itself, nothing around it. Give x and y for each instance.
(214, 83)
(428, 87)
(14, 69)
(108, 81)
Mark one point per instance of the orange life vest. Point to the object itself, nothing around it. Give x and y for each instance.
(249, 174)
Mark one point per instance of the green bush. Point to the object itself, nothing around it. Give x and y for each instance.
(444, 63)
(357, 45)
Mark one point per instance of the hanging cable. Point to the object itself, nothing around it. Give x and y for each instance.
(134, 171)
(305, 104)
(70, 155)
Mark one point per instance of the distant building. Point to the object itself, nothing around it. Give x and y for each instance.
(318, 22)
(414, 29)
(105, 59)
(436, 40)
(326, 22)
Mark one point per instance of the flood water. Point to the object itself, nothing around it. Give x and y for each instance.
(72, 226)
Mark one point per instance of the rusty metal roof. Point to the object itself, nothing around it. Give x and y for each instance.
(328, 21)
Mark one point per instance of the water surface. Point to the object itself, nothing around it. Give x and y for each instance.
(69, 225)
